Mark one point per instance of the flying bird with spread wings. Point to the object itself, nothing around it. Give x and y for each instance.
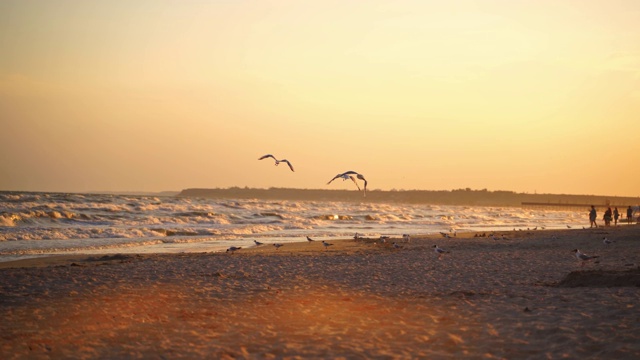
(350, 175)
(277, 161)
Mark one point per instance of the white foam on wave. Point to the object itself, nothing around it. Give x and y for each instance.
(85, 220)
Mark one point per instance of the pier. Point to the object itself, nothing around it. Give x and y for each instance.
(569, 206)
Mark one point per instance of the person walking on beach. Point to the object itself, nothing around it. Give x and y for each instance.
(629, 214)
(616, 215)
(607, 217)
(592, 217)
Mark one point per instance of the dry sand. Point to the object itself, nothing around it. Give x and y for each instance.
(523, 297)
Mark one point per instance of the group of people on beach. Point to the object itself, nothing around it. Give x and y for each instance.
(609, 216)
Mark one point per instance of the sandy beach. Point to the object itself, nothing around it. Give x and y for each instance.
(524, 295)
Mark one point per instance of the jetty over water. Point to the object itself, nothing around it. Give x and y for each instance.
(570, 206)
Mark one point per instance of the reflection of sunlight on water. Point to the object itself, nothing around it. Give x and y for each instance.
(62, 223)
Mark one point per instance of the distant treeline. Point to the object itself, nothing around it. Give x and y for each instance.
(442, 197)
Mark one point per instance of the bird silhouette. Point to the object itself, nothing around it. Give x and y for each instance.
(350, 175)
(277, 162)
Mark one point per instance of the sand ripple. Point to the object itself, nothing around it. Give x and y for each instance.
(486, 299)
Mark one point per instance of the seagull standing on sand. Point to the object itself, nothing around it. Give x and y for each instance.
(439, 251)
(583, 257)
(277, 245)
(397, 246)
(350, 175)
(309, 239)
(233, 249)
(326, 244)
(607, 241)
(277, 161)
(406, 237)
(258, 243)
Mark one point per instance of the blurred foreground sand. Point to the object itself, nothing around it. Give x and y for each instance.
(505, 298)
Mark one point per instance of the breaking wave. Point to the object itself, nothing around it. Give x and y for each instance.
(41, 222)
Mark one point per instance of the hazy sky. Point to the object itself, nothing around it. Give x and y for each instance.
(528, 96)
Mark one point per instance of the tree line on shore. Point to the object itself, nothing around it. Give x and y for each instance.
(466, 196)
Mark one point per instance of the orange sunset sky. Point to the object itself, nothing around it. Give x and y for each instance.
(150, 95)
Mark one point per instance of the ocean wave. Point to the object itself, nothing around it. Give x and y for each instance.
(271, 214)
(89, 217)
(71, 247)
(332, 217)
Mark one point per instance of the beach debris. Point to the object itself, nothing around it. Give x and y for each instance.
(384, 238)
(583, 257)
(526, 309)
(326, 244)
(278, 245)
(277, 161)
(607, 241)
(234, 249)
(309, 239)
(115, 257)
(350, 175)
(258, 243)
(397, 246)
(439, 251)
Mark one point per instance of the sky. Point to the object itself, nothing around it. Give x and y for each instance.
(535, 96)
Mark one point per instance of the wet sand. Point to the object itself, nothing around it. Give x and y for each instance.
(525, 296)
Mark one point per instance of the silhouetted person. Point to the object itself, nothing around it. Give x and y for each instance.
(592, 217)
(607, 217)
(616, 215)
(629, 214)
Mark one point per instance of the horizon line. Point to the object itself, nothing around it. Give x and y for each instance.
(133, 192)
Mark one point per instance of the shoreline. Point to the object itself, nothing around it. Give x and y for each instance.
(486, 298)
(298, 246)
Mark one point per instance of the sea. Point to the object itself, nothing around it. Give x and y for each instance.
(44, 224)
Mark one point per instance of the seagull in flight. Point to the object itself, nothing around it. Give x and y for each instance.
(350, 175)
(583, 257)
(277, 161)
